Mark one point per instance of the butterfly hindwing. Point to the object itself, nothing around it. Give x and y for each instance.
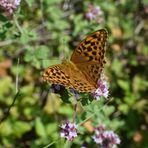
(56, 74)
(92, 72)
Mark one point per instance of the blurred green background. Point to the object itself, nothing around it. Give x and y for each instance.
(42, 33)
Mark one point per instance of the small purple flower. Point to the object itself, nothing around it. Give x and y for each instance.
(112, 137)
(9, 5)
(105, 138)
(76, 93)
(99, 134)
(102, 90)
(69, 131)
(101, 128)
(55, 88)
(94, 13)
(84, 145)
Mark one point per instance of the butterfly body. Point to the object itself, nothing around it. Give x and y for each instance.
(85, 66)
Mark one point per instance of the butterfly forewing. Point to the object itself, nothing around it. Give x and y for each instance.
(92, 48)
(89, 55)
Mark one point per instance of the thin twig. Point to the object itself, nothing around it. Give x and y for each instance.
(50, 144)
(17, 24)
(75, 111)
(7, 112)
(42, 10)
(41, 39)
(7, 42)
(17, 76)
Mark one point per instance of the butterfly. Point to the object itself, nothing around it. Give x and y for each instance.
(85, 66)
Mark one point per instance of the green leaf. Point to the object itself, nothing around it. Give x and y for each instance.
(124, 85)
(20, 127)
(3, 18)
(39, 127)
(8, 25)
(41, 52)
(29, 2)
(124, 108)
(29, 56)
(117, 67)
(65, 110)
(5, 86)
(108, 110)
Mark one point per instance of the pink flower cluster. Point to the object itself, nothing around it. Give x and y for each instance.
(9, 5)
(105, 138)
(102, 90)
(94, 13)
(69, 131)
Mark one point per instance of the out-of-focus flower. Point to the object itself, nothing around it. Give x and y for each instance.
(9, 5)
(55, 88)
(146, 9)
(105, 138)
(111, 137)
(84, 145)
(69, 131)
(94, 13)
(58, 89)
(99, 134)
(102, 90)
(76, 93)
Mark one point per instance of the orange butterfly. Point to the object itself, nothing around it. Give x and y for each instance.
(84, 69)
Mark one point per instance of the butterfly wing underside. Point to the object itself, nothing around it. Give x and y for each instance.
(68, 76)
(89, 55)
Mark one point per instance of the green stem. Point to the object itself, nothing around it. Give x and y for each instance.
(94, 113)
(17, 24)
(50, 144)
(67, 144)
